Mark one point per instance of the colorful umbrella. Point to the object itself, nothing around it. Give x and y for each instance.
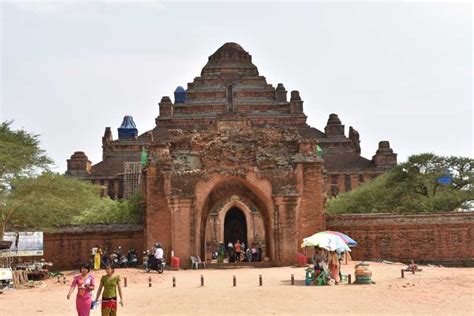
(326, 240)
(349, 241)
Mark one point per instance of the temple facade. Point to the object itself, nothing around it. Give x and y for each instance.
(232, 158)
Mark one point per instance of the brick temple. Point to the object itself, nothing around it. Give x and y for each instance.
(232, 158)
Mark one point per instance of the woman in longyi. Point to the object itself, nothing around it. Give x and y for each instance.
(85, 285)
(109, 283)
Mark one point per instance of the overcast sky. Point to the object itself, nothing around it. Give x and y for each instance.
(394, 71)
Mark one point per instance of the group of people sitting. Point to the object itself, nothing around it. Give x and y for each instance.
(328, 262)
(236, 252)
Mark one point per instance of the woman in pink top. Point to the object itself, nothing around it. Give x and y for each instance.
(85, 285)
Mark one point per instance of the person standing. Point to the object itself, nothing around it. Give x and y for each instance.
(230, 251)
(110, 283)
(334, 266)
(91, 260)
(94, 250)
(85, 285)
(254, 253)
(97, 258)
(237, 248)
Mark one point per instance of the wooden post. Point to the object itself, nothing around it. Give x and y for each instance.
(234, 280)
(260, 280)
(202, 280)
(292, 279)
(349, 278)
(403, 273)
(174, 281)
(149, 281)
(125, 282)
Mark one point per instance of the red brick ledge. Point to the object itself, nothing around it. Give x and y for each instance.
(375, 219)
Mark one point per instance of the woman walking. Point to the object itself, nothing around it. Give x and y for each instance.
(85, 285)
(110, 284)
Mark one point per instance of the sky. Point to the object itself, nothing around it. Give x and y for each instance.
(397, 71)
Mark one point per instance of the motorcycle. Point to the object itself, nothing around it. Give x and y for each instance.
(145, 258)
(123, 261)
(132, 258)
(105, 259)
(151, 263)
(114, 260)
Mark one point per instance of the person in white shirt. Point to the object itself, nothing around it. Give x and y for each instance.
(159, 252)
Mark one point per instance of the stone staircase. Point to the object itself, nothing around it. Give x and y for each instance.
(239, 265)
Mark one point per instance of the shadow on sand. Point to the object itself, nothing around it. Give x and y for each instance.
(297, 282)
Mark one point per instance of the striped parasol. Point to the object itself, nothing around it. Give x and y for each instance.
(329, 240)
(349, 241)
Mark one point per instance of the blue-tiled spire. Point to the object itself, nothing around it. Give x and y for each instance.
(179, 95)
(127, 130)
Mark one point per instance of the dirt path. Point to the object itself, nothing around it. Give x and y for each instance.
(434, 291)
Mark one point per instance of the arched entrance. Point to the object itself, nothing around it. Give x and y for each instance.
(235, 226)
(233, 211)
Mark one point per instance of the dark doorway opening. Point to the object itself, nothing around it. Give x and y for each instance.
(235, 227)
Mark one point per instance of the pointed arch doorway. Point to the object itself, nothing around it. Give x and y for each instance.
(235, 226)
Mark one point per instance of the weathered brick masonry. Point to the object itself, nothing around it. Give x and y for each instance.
(232, 158)
(445, 238)
(69, 248)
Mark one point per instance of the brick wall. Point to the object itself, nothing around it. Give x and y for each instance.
(70, 247)
(444, 238)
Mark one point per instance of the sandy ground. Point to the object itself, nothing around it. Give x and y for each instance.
(434, 291)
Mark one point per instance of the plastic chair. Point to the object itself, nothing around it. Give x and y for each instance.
(200, 263)
(321, 279)
(194, 262)
(344, 279)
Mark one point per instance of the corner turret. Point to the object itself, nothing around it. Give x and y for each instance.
(79, 165)
(296, 105)
(280, 93)
(128, 130)
(179, 95)
(334, 128)
(166, 107)
(384, 157)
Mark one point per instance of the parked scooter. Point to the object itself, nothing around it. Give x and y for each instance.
(123, 261)
(145, 258)
(115, 258)
(132, 258)
(105, 260)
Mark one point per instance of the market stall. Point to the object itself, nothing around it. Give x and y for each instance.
(329, 248)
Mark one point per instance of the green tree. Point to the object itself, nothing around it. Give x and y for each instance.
(20, 155)
(129, 211)
(49, 200)
(46, 201)
(412, 187)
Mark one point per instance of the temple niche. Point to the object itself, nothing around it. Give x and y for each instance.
(232, 158)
